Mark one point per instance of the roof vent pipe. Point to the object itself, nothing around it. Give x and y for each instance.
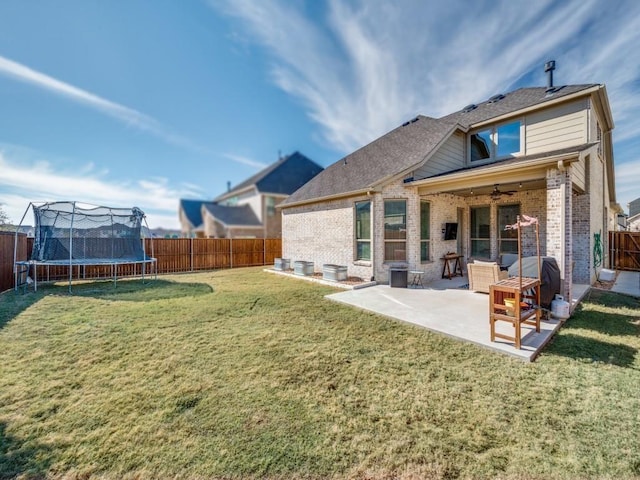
(228, 186)
(549, 67)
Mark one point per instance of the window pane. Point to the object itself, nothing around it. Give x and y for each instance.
(363, 220)
(424, 220)
(480, 232)
(363, 251)
(508, 139)
(481, 248)
(424, 251)
(395, 251)
(395, 224)
(480, 221)
(481, 145)
(507, 215)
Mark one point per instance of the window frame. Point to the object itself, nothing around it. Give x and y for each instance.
(395, 241)
(356, 232)
(494, 141)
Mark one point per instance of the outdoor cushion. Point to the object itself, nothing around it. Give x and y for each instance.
(483, 274)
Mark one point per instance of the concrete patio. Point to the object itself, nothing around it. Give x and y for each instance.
(448, 307)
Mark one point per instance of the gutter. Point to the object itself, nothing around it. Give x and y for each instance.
(336, 196)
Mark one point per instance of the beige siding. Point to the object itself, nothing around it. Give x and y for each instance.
(255, 202)
(448, 157)
(557, 127)
(578, 175)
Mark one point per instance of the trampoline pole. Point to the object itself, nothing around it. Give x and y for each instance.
(71, 246)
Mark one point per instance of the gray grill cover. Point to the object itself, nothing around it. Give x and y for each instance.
(549, 276)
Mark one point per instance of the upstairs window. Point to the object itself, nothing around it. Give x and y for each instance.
(496, 142)
(271, 206)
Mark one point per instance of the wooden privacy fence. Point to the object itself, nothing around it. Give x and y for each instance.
(174, 255)
(624, 251)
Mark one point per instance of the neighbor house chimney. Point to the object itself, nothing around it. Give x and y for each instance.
(228, 186)
(549, 67)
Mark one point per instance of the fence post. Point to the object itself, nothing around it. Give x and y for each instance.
(231, 253)
(191, 252)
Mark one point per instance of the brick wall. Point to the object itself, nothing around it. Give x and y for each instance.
(559, 225)
(324, 233)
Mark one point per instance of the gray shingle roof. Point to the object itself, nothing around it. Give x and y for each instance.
(512, 102)
(409, 144)
(193, 211)
(284, 176)
(233, 215)
(388, 155)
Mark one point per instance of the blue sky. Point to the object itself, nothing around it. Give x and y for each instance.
(143, 102)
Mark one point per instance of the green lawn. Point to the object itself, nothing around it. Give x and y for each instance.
(246, 374)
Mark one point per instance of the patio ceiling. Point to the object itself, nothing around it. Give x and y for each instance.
(505, 188)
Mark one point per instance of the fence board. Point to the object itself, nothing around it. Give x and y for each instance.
(624, 251)
(173, 255)
(7, 245)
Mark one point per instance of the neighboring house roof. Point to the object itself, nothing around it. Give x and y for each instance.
(634, 207)
(410, 144)
(192, 209)
(282, 177)
(238, 215)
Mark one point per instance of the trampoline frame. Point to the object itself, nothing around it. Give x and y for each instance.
(27, 265)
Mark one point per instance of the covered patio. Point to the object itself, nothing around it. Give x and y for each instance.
(448, 307)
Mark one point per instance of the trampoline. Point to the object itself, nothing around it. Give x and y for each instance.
(73, 234)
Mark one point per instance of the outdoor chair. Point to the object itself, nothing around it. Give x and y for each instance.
(484, 274)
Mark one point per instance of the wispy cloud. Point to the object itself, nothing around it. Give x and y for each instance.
(244, 160)
(126, 115)
(25, 179)
(361, 68)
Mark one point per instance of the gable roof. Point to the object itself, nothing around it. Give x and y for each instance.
(410, 144)
(192, 209)
(237, 215)
(282, 177)
(389, 155)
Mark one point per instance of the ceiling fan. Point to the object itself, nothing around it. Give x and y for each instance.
(497, 193)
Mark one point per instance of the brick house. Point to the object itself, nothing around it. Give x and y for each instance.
(248, 209)
(543, 152)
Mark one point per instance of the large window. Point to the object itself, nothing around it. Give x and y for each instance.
(395, 230)
(481, 232)
(363, 230)
(507, 215)
(425, 231)
(496, 142)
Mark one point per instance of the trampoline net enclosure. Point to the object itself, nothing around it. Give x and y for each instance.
(66, 232)
(75, 234)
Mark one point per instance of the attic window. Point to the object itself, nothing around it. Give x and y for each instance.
(496, 98)
(470, 107)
